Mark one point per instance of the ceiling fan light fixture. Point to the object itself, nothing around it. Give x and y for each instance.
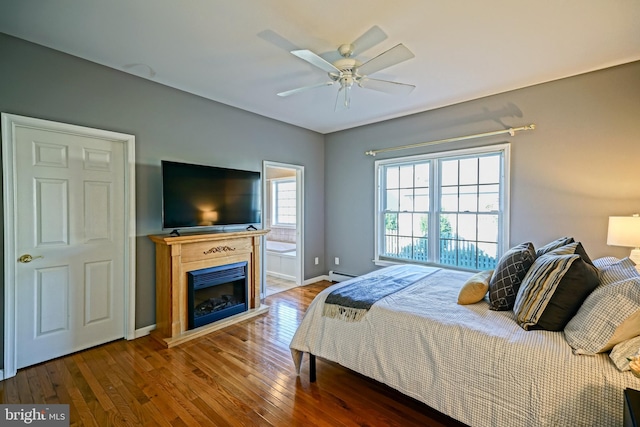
(346, 81)
(343, 99)
(347, 97)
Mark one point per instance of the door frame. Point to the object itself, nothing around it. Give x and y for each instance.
(299, 219)
(9, 124)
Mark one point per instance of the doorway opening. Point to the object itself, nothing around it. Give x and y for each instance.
(283, 216)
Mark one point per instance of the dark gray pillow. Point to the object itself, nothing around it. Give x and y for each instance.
(508, 275)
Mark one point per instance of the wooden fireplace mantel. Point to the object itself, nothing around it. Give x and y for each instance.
(178, 255)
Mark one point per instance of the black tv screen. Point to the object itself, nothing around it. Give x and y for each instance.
(206, 196)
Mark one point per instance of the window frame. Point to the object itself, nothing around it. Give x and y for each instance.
(434, 200)
(274, 201)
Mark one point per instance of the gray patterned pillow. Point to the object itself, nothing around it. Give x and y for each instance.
(508, 275)
(618, 271)
(610, 315)
(605, 262)
(553, 290)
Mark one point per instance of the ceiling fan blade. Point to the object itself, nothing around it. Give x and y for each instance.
(393, 56)
(386, 86)
(304, 88)
(369, 39)
(315, 60)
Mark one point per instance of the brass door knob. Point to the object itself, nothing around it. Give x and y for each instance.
(28, 258)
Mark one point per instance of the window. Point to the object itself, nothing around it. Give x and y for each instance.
(446, 208)
(283, 192)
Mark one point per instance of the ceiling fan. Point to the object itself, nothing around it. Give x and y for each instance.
(348, 71)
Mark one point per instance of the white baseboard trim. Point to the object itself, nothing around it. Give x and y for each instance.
(315, 279)
(281, 275)
(144, 331)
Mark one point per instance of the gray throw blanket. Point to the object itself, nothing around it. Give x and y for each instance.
(352, 301)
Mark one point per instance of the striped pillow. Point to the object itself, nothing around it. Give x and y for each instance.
(571, 248)
(562, 241)
(553, 290)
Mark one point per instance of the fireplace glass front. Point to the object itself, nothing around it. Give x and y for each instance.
(216, 293)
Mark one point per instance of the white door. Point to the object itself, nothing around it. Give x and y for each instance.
(70, 231)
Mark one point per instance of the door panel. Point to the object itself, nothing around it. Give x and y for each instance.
(52, 300)
(97, 213)
(98, 291)
(51, 212)
(70, 216)
(51, 155)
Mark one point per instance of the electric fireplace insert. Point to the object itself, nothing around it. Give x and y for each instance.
(216, 293)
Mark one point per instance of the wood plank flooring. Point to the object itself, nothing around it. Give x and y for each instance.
(242, 375)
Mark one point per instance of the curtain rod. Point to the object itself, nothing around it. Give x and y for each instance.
(510, 131)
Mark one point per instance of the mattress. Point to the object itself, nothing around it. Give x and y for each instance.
(471, 363)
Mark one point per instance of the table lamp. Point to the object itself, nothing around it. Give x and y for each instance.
(625, 231)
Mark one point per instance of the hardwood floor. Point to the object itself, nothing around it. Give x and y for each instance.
(238, 376)
(276, 284)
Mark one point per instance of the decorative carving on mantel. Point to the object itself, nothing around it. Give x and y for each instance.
(217, 249)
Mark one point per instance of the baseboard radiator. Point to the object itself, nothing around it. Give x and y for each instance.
(336, 276)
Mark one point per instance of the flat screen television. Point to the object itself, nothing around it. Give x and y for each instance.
(208, 196)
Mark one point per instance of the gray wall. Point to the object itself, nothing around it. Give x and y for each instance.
(578, 167)
(168, 124)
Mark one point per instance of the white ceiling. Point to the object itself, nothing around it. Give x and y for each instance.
(237, 51)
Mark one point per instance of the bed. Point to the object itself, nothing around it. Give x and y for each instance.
(477, 365)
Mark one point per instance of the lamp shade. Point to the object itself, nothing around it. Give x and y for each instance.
(624, 231)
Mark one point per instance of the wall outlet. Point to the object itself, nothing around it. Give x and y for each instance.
(316, 261)
(336, 261)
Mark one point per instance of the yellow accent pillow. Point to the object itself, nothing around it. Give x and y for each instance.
(475, 288)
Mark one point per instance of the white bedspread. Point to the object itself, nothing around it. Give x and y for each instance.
(473, 364)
